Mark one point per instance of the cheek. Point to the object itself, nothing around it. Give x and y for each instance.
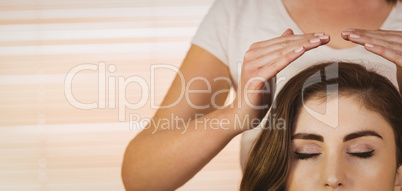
(304, 176)
(372, 174)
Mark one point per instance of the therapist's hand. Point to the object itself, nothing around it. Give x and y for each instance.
(387, 44)
(261, 63)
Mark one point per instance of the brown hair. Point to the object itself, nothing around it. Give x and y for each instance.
(269, 162)
(393, 1)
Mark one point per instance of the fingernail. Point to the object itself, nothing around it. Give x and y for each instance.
(319, 34)
(369, 45)
(354, 36)
(345, 33)
(314, 40)
(299, 49)
(323, 37)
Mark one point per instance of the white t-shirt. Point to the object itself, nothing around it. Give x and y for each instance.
(231, 26)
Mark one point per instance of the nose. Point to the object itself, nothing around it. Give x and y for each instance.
(333, 182)
(333, 173)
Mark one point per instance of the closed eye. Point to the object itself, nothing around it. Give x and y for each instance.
(363, 155)
(304, 156)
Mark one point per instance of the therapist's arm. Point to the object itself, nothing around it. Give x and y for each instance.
(164, 159)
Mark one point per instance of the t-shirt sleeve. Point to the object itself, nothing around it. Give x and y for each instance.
(213, 32)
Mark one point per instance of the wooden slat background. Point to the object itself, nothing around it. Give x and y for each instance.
(48, 144)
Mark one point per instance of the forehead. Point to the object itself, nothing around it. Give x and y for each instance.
(338, 117)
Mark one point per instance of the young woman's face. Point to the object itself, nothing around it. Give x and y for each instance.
(359, 154)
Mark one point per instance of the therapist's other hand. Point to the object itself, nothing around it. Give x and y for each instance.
(387, 44)
(262, 62)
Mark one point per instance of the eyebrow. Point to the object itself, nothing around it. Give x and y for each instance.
(361, 134)
(348, 137)
(308, 136)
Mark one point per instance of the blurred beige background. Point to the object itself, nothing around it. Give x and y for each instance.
(50, 143)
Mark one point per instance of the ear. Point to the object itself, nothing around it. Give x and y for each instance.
(398, 180)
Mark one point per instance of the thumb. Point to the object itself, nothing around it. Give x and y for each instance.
(288, 32)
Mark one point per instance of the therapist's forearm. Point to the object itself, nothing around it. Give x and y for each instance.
(165, 160)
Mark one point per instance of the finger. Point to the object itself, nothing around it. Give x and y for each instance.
(282, 39)
(389, 35)
(394, 36)
(345, 35)
(389, 50)
(270, 70)
(287, 46)
(272, 53)
(308, 43)
(392, 55)
(391, 47)
(379, 31)
(375, 38)
(363, 39)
